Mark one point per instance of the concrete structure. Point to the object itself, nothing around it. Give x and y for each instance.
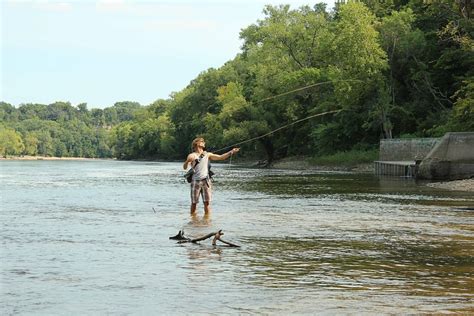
(395, 168)
(452, 158)
(411, 149)
(397, 157)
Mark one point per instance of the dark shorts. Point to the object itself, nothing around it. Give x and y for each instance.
(203, 188)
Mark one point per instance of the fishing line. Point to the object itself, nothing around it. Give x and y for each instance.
(279, 95)
(303, 88)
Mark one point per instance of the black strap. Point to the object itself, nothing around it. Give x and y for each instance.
(198, 160)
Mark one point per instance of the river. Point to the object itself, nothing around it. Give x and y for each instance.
(92, 237)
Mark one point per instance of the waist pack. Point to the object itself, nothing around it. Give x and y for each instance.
(189, 175)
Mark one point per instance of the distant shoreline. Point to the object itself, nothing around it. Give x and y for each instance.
(49, 158)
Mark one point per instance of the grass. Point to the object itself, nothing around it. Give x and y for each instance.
(347, 158)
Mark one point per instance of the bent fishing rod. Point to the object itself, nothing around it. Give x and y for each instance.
(278, 129)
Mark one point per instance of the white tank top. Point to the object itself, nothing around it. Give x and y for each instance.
(201, 170)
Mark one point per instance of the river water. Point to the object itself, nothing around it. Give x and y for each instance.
(91, 237)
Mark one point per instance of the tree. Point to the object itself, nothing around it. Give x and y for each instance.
(45, 143)
(10, 142)
(237, 121)
(31, 144)
(97, 118)
(33, 110)
(8, 113)
(463, 112)
(60, 111)
(342, 59)
(121, 141)
(284, 52)
(190, 106)
(125, 110)
(403, 45)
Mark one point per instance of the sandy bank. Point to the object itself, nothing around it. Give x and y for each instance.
(456, 185)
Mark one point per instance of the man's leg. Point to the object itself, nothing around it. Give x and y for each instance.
(207, 208)
(207, 196)
(195, 190)
(193, 208)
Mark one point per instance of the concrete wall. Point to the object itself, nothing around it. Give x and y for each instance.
(406, 149)
(452, 158)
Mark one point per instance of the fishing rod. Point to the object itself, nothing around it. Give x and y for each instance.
(278, 129)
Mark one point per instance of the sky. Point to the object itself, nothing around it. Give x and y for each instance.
(107, 51)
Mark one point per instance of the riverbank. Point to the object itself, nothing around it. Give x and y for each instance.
(304, 163)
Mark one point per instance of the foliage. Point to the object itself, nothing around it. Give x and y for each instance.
(57, 129)
(10, 142)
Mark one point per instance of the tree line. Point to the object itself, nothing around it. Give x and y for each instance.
(60, 129)
(397, 68)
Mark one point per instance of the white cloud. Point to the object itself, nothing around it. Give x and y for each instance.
(50, 6)
(43, 5)
(179, 25)
(112, 5)
(143, 8)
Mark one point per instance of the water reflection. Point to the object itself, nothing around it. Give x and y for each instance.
(430, 269)
(201, 221)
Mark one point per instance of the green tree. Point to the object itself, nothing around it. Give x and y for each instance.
(403, 45)
(10, 142)
(188, 107)
(110, 116)
(97, 118)
(342, 59)
(121, 141)
(125, 110)
(60, 111)
(237, 121)
(8, 113)
(33, 110)
(31, 144)
(45, 143)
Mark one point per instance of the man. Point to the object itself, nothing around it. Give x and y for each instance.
(201, 183)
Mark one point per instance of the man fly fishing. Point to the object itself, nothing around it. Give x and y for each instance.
(201, 182)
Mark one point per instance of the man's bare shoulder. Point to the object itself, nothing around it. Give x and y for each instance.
(192, 156)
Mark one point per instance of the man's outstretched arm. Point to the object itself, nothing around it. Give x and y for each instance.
(224, 156)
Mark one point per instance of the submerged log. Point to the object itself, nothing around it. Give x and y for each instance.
(179, 236)
(217, 237)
